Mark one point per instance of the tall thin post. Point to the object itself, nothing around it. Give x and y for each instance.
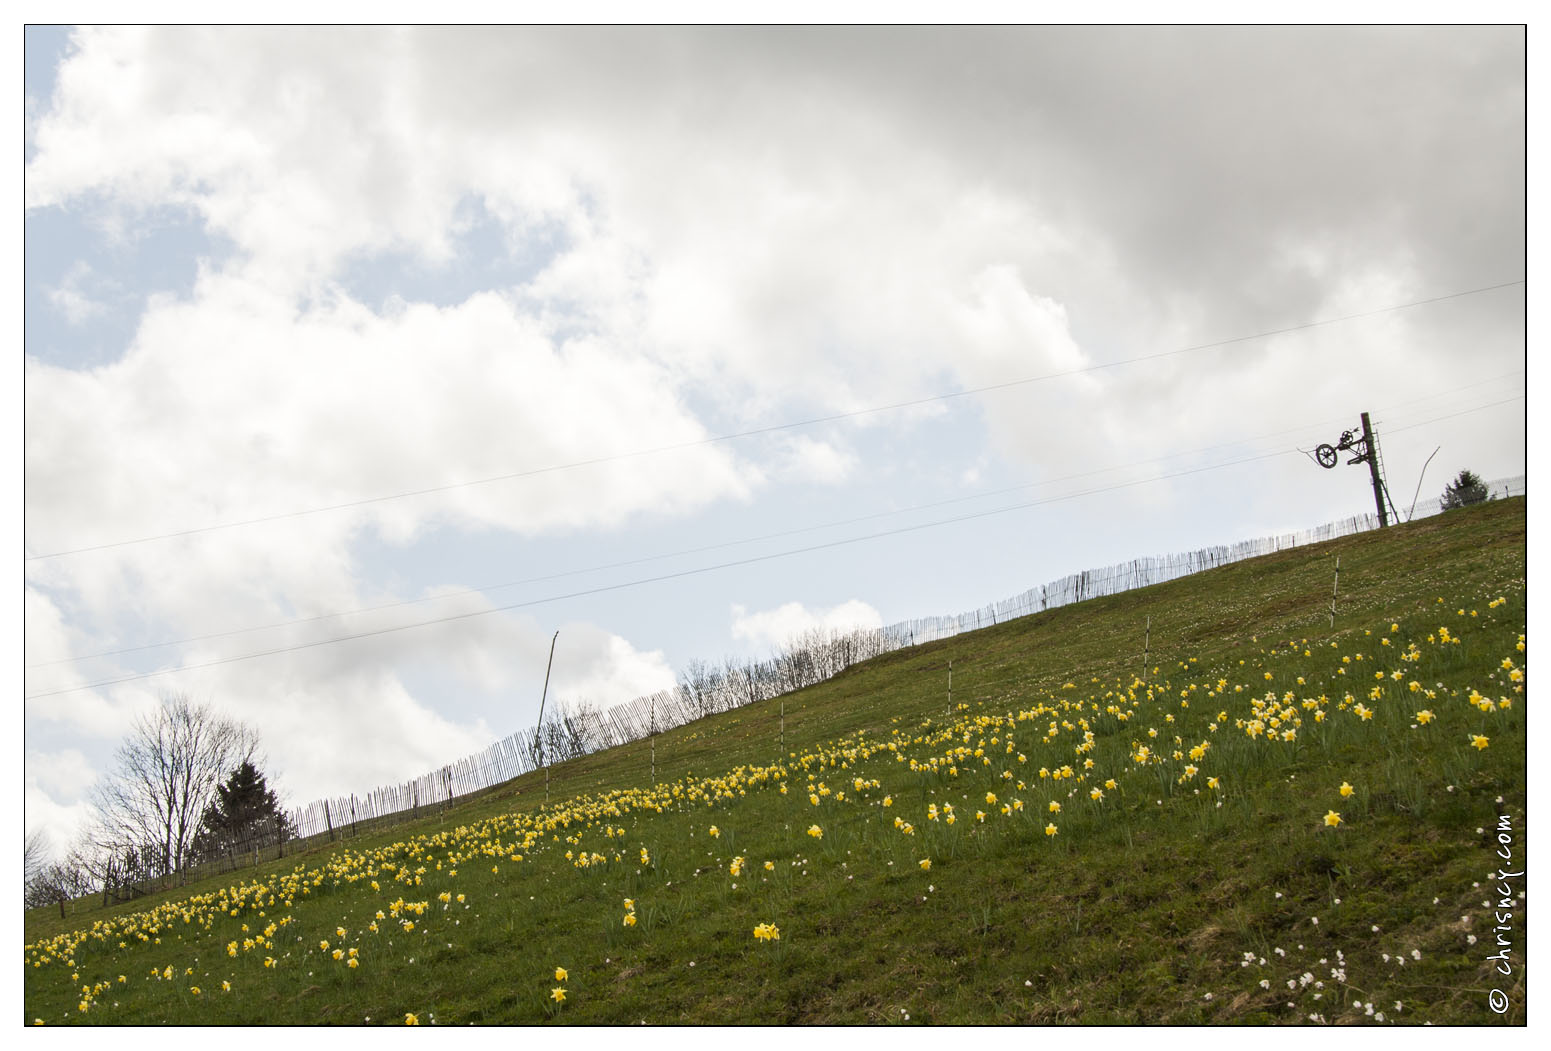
(783, 727)
(1147, 646)
(542, 698)
(1419, 478)
(1333, 588)
(950, 689)
(1373, 470)
(654, 739)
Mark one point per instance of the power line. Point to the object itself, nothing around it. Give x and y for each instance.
(701, 569)
(773, 428)
(648, 580)
(738, 542)
(459, 593)
(1452, 415)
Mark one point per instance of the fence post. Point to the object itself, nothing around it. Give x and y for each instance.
(1333, 587)
(329, 820)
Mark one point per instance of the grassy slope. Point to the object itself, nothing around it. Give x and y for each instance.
(1165, 901)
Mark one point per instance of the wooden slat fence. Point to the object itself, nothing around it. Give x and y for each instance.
(810, 659)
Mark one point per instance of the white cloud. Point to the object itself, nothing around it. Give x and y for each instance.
(811, 460)
(297, 412)
(779, 228)
(56, 795)
(604, 669)
(65, 775)
(50, 644)
(70, 297)
(774, 628)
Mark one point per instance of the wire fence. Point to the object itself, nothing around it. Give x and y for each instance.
(705, 690)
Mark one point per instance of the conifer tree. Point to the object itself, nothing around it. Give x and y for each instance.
(1467, 489)
(245, 814)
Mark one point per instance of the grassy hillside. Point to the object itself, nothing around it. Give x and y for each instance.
(1271, 821)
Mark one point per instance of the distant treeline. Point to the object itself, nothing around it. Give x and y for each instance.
(578, 729)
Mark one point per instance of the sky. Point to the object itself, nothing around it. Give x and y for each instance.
(679, 342)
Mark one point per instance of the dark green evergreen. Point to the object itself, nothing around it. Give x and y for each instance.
(1465, 490)
(245, 815)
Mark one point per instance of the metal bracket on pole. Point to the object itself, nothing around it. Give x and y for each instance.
(1365, 449)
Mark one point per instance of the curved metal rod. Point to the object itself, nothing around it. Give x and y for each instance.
(1419, 484)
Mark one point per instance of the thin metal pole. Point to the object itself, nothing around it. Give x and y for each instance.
(1147, 646)
(544, 697)
(950, 689)
(1419, 485)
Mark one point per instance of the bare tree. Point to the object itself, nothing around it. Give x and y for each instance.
(35, 854)
(698, 683)
(50, 881)
(582, 729)
(741, 681)
(167, 773)
(108, 860)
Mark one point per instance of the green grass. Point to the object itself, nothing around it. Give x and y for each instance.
(1166, 901)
